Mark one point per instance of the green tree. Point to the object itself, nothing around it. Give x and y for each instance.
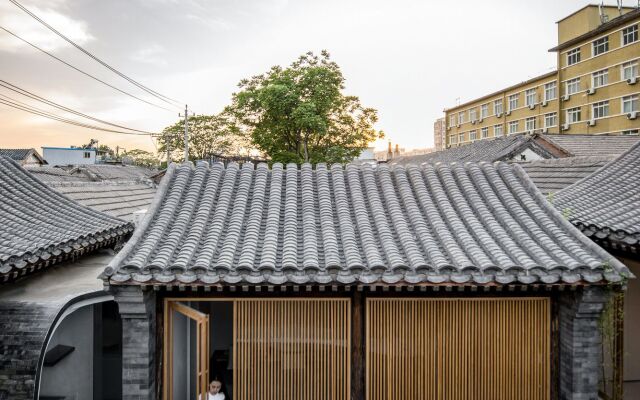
(299, 114)
(208, 135)
(141, 157)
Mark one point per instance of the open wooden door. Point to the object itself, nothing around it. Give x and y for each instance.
(186, 353)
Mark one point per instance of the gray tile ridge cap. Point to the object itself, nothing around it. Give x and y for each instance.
(620, 268)
(630, 150)
(163, 187)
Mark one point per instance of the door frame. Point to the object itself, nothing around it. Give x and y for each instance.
(202, 349)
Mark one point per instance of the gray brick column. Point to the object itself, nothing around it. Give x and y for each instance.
(138, 312)
(580, 342)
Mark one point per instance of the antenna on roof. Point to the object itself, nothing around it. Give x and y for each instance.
(603, 17)
(619, 6)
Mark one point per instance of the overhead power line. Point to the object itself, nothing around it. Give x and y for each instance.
(19, 105)
(41, 99)
(81, 71)
(160, 96)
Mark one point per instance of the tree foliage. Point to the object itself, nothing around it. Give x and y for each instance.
(141, 157)
(208, 135)
(299, 114)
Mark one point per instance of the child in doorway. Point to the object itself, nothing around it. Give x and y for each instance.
(214, 391)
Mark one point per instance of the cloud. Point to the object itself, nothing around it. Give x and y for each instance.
(28, 28)
(152, 54)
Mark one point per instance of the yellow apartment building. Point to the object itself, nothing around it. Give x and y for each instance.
(594, 90)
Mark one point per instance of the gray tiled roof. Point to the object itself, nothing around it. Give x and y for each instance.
(460, 223)
(15, 154)
(39, 226)
(606, 204)
(496, 149)
(119, 200)
(594, 145)
(557, 173)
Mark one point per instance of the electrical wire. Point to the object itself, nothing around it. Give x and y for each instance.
(160, 96)
(34, 96)
(81, 71)
(8, 101)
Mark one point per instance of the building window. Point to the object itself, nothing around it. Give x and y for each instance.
(630, 103)
(573, 86)
(485, 133)
(600, 78)
(461, 118)
(452, 120)
(87, 154)
(530, 98)
(497, 106)
(600, 109)
(513, 127)
(550, 120)
(530, 123)
(461, 137)
(573, 56)
(600, 46)
(574, 115)
(629, 70)
(513, 102)
(473, 135)
(550, 91)
(484, 111)
(630, 34)
(453, 139)
(497, 131)
(472, 115)
(633, 132)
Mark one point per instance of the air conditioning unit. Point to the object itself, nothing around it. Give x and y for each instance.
(565, 127)
(508, 113)
(544, 103)
(566, 97)
(632, 81)
(531, 132)
(591, 122)
(473, 122)
(449, 127)
(591, 91)
(458, 126)
(498, 115)
(480, 120)
(632, 115)
(532, 106)
(544, 130)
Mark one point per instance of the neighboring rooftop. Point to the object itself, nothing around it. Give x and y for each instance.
(23, 156)
(606, 204)
(41, 227)
(359, 225)
(119, 200)
(557, 173)
(497, 149)
(594, 145)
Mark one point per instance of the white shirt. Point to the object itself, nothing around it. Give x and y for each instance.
(217, 396)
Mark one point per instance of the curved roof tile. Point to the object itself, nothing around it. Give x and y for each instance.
(40, 226)
(459, 223)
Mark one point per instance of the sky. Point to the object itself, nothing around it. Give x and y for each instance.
(407, 59)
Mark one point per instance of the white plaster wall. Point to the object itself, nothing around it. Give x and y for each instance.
(72, 377)
(68, 156)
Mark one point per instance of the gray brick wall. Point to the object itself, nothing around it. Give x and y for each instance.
(580, 342)
(137, 309)
(24, 328)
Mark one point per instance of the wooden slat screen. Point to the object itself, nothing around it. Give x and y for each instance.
(291, 349)
(458, 349)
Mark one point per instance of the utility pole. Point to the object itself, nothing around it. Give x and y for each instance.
(186, 132)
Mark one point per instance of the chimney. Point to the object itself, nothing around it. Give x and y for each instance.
(389, 152)
(397, 152)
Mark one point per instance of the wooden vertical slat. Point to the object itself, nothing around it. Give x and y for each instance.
(497, 348)
(292, 349)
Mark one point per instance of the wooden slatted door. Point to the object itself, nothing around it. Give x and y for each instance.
(458, 349)
(186, 375)
(291, 349)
